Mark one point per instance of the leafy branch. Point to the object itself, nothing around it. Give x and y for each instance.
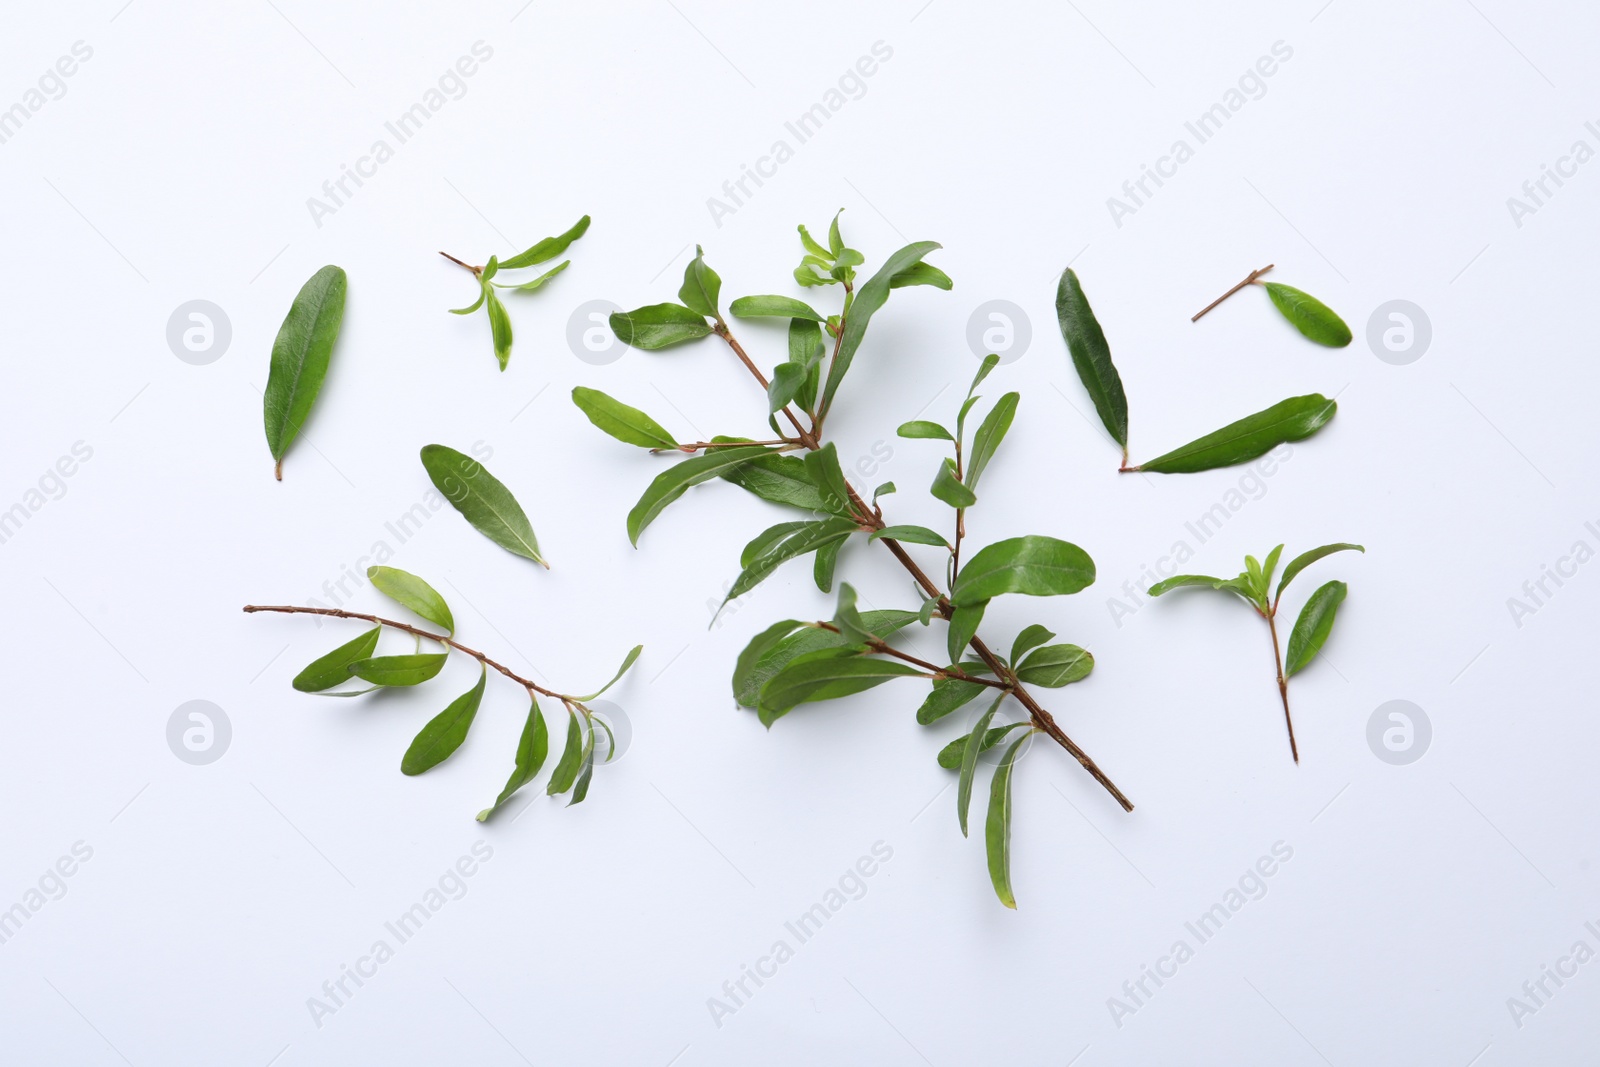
(540, 252)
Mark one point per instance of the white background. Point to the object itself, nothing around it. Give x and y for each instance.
(219, 898)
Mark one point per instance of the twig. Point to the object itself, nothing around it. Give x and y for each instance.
(469, 266)
(1249, 280)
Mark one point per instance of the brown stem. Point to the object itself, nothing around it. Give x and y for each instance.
(290, 609)
(1283, 683)
(722, 331)
(698, 445)
(469, 266)
(1249, 280)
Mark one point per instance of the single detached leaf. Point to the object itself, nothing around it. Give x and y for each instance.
(531, 751)
(627, 661)
(411, 669)
(566, 771)
(701, 286)
(870, 297)
(948, 695)
(500, 327)
(990, 433)
(482, 500)
(827, 677)
(658, 325)
(409, 591)
(1033, 566)
(916, 535)
(785, 307)
(627, 424)
(779, 645)
(997, 827)
(1313, 626)
(547, 249)
(445, 731)
(1030, 638)
(1054, 666)
(535, 283)
(1309, 315)
(1306, 559)
(328, 671)
(673, 482)
(948, 488)
(300, 356)
(969, 761)
(1091, 357)
(964, 622)
(1238, 442)
(922, 274)
(924, 429)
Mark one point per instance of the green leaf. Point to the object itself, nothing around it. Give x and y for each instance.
(500, 327)
(535, 283)
(990, 433)
(985, 368)
(1054, 666)
(762, 543)
(628, 425)
(824, 564)
(328, 671)
(566, 771)
(811, 244)
(300, 356)
(948, 695)
(658, 325)
(482, 500)
(997, 827)
(964, 622)
(411, 669)
(848, 619)
(549, 248)
(483, 294)
(445, 732)
(969, 761)
(780, 644)
(806, 350)
(1309, 315)
(950, 755)
(1306, 559)
(1091, 357)
(1179, 581)
(828, 676)
(580, 788)
(531, 751)
(823, 467)
(808, 537)
(784, 307)
(701, 286)
(870, 297)
(780, 479)
(916, 535)
(929, 606)
(627, 661)
(883, 490)
(409, 591)
(673, 482)
(1313, 626)
(1269, 568)
(948, 488)
(922, 274)
(922, 428)
(1032, 566)
(787, 381)
(1030, 638)
(1289, 420)
(835, 241)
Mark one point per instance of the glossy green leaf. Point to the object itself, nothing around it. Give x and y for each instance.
(547, 249)
(1032, 566)
(1030, 638)
(1238, 442)
(922, 274)
(658, 325)
(411, 592)
(762, 543)
(1312, 628)
(969, 761)
(1306, 559)
(300, 356)
(701, 286)
(673, 482)
(823, 466)
(531, 751)
(627, 424)
(786, 307)
(327, 671)
(445, 732)
(627, 661)
(825, 676)
(950, 755)
(482, 500)
(1091, 357)
(500, 327)
(787, 381)
(413, 669)
(916, 535)
(990, 433)
(809, 537)
(947, 695)
(870, 297)
(964, 622)
(997, 827)
(780, 644)
(567, 766)
(778, 478)
(948, 488)
(1054, 666)
(922, 428)
(1314, 319)
(534, 283)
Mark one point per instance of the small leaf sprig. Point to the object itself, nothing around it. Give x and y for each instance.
(1311, 629)
(438, 740)
(794, 662)
(487, 275)
(300, 357)
(1315, 320)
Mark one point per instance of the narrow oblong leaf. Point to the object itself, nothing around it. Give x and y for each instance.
(580, 786)
(969, 761)
(658, 325)
(1054, 666)
(997, 827)
(823, 466)
(500, 328)
(482, 499)
(300, 356)
(1314, 319)
(1306, 559)
(948, 488)
(413, 669)
(1179, 581)
(534, 283)
(672, 483)
(1032, 566)
(627, 661)
(1254, 435)
(870, 297)
(701, 286)
(532, 748)
(990, 433)
(786, 307)
(483, 294)
(327, 671)
(782, 643)
(828, 677)
(809, 537)
(1312, 628)
(547, 249)
(922, 274)
(409, 591)
(566, 771)
(916, 535)
(1091, 357)
(824, 563)
(778, 478)
(627, 424)
(806, 350)
(964, 622)
(948, 695)
(950, 755)
(445, 732)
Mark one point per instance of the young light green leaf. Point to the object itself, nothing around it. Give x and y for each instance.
(1313, 626)
(500, 327)
(531, 751)
(409, 591)
(916, 535)
(990, 433)
(482, 500)
(627, 424)
(1289, 420)
(1091, 357)
(922, 428)
(870, 297)
(947, 695)
(785, 307)
(922, 274)
(566, 771)
(411, 669)
(549, 248)
(835, 240)
(300, 356)
(327, 671)
(1032, 566)
(1269, 568)
(445, 732)
(1306, 559)
(627, 661)
(673, 482)
(701, 286)
(1314, 319)
(1054, 666)
(1030, 638)
(827, 677)
(1179, 581)
(969, 761)
(658, 325)
(948, 488)
(997, 827)
(535, 283)
(964, 622)
(483, 294)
